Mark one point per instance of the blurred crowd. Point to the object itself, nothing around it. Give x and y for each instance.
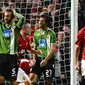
(59, 10)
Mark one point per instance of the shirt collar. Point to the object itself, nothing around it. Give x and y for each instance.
(8, 26)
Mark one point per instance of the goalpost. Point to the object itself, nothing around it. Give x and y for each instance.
(74, 30)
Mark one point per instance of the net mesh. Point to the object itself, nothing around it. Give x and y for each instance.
(59, 10)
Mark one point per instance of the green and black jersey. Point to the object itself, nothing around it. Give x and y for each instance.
(9, 36)
(44, 41)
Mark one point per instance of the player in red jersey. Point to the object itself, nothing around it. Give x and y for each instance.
(24, 42)
(23, 72)
(79, 42)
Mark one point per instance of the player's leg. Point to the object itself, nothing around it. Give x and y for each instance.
(33, 75)
(13, 68)
(35, 72)
(1, 79)
(22, 77)
(3, 68)
(33, 78)
(49, 72)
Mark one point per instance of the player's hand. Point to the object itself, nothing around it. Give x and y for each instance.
(32, 62)
(43, 63)
(77, 67)
(39, 52)
(14, 10)
(12, 6)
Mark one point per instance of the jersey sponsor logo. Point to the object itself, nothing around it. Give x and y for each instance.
(6, 33)
(42, 43)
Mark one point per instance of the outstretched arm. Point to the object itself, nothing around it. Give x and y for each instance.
(32, 51)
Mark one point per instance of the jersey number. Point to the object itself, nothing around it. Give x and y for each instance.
(13, 71)
(49, 73)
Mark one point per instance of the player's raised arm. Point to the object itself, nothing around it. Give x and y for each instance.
(20, 19)
(1, 13)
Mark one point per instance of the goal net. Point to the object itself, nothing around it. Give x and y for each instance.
(59, 10)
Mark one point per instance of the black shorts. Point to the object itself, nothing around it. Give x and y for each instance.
(8, 66)
(48, 70)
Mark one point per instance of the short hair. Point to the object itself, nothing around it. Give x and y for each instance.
(45, 15)
(47, 18)
(25, 23)
(10, 10)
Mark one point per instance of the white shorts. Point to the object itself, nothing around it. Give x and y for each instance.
(83, 67)
(22, 76)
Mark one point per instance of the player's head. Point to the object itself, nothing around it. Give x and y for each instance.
(8, 16)
(27, 28)
(61, 35)
(44, 20)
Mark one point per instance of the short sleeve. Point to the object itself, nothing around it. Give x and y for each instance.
(53, 37)
(80, 38)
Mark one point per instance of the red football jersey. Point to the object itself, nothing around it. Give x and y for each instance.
(23, 45)
(25, 65)
(81, 40)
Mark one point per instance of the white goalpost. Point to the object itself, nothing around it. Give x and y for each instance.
(74, 29)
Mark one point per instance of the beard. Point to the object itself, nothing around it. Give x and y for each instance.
(7, 21)
(41, 26)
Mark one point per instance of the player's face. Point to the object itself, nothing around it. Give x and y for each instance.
(27, 29)
(61, 35)
(42, 22)
(7, 17)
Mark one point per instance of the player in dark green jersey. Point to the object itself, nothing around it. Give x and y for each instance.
(44, 40)
(9, 32)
